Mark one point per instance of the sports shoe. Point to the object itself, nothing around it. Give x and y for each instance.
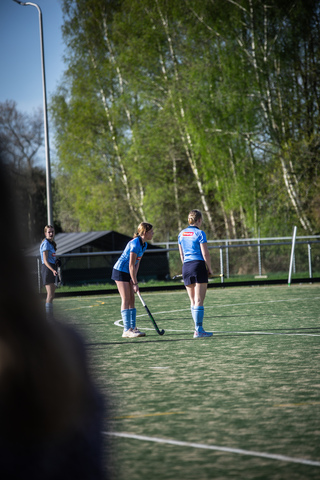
(129, 334)
(202, 334)
(141, 334)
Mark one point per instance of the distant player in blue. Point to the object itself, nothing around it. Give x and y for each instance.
(125, 272)
(48, 268)
(196, 260)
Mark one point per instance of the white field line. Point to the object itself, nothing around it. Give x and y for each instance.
(260, 303)
(234, 305)
(119, 323)
(239, 451)
(257, 332)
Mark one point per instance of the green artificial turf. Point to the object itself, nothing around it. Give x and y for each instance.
(254, 385)
(255, 279)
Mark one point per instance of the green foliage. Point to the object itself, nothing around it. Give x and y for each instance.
(168, 106)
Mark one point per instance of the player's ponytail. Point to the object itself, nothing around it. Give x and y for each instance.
(194, 216)
(142, 229)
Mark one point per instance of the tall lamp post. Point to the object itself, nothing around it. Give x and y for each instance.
(45, 114)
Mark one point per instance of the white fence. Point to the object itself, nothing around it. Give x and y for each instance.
(234, 258)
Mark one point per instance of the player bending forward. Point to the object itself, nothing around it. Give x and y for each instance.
(125, 272)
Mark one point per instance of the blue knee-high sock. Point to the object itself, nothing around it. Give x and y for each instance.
(49, 310)
(198, 318)
(126, 318)
(133, 316)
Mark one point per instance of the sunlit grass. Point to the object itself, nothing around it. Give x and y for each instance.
(254, 385)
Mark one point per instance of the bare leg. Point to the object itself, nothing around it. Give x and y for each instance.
(51, 288)
(128, 311)
(200, 294)
(197, 293)
(191, 293)
(126, 293)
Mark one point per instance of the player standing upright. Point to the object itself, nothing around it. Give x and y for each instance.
(125, 272)
(49, 267)
(196, 260)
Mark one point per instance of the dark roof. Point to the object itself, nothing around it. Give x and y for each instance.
(103, 241)
(67, 242)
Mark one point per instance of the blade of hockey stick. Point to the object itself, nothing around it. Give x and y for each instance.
(160, 332)
(210, 276)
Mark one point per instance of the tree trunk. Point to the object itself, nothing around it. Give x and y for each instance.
(182, 124)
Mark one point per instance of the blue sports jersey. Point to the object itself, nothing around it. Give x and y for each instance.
(136, 246)
(190, 239)
(48, 246)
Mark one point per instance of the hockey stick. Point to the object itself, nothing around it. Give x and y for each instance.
(210, 276)
(160, 332)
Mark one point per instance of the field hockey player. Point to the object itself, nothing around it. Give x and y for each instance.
(196, 262)
(125, 272)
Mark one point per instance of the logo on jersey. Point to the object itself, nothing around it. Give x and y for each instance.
(187, 234)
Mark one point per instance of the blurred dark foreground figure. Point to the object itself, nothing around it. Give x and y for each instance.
(51, 413)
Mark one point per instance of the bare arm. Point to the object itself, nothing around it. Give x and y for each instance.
(206, 256)
(133, 269)
(181, 253)
(47, 264)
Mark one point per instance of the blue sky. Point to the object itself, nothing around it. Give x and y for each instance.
(20, 57)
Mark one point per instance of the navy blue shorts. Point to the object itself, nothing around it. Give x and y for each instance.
(194, 272)
(120, 276)
(47, 275)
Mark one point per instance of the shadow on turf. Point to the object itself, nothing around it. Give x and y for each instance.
(224, 334)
